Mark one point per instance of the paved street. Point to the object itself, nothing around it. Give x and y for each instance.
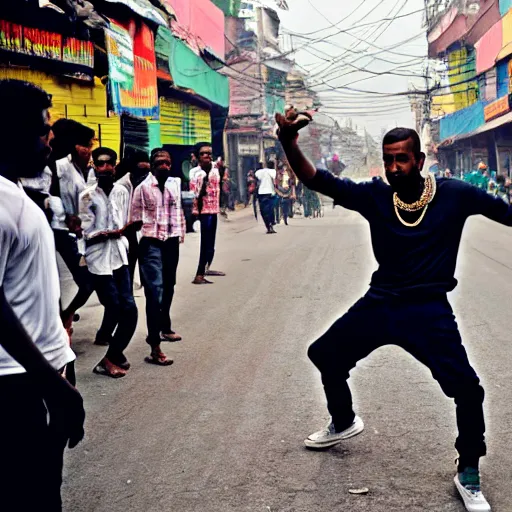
(221, 430)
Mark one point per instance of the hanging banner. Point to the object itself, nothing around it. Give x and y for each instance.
(46, 45)
(141, 99)
(163, 45)
(120, 56)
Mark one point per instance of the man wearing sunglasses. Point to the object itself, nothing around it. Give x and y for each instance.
(416, 226)
(103, 221)
(205, 184)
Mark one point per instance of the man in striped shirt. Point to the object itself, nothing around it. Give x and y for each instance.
(157, 210)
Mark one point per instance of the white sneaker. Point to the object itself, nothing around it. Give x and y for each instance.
(328, 437)
(474, 500)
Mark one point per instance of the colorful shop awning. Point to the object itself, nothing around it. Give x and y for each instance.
(190, 72)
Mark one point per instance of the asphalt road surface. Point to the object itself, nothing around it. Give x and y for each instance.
(222, 429)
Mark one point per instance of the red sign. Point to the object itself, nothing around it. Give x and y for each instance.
(142, 99)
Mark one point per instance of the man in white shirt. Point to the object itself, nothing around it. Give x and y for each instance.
(41, 412)
(137, 167)
(103, 222)
(266, 190)
(71, 172)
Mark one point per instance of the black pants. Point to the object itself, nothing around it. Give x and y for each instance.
(116, 296)
(428, 331)
(208, 236)
(66, 246)
(158, 265)
(32, 452)
(133, 252)
(267, 209)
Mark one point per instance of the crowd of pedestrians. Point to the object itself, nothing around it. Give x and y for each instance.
(280, 195)
(106, 217)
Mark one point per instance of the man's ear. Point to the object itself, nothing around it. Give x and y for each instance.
(421, 160)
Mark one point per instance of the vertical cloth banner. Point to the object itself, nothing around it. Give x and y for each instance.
(141, 100)
(120, 56)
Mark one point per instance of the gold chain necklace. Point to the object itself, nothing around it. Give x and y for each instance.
(428, 194)
(409, 224)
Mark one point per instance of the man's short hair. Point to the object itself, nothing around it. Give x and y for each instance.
(197, 147)
(104, 151)
(402, 134)
(271, 164)
(159, 151)
(22, 106)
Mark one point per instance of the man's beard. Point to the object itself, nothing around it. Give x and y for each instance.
(403, 183)
(106, 180)
(33, 168)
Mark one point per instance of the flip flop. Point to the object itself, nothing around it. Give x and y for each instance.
(158, 358)
(215, 273)
(172, 337)
(105, 367)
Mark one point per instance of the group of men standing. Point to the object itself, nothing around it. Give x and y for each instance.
(106, 216)
(274, 190)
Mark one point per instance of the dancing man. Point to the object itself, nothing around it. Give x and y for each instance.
(416, 249)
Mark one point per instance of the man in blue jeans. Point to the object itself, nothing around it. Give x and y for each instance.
(157, 210)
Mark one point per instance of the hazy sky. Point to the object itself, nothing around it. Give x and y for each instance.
(332, 63)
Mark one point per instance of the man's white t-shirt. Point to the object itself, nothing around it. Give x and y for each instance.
(266, 177)
(29, 276)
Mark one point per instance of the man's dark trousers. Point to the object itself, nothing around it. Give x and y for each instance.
(120, 318)
(426, 328)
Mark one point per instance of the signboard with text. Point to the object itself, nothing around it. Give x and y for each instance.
(496, 108)
(46, 45)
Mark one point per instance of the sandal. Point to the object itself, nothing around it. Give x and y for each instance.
(172, 336)
(201, 280)
(215, 273)
(109, 369)
(159, 358)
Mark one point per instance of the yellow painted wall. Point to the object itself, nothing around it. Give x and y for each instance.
(85, 103)
(442, 105)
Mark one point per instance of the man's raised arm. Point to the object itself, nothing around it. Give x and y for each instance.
(345, 192)
(289, 127)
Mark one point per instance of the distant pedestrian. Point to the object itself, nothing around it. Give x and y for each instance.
(225, 186)
(252, 187)
(206, 187)
(158, 212)
(266, 192)
(41, 412)
(284, 192)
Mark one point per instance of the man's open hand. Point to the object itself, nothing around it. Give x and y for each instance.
(290, 123)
